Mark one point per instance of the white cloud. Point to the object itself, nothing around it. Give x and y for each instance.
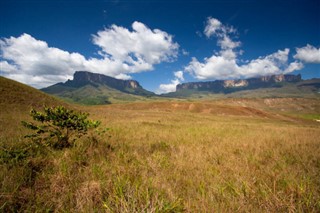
(308, 54)
(276, 63)
(166, 88)
(34, 57)
(123, 76)
(171, 87)
(142, 44)
(220, 67)
(215, 67)
(38, 81)
(33, 62)
(226, 43)
(228, 54)
(222, 32)
(6, 67)
(224, 65)
(179, 75)
(212, 27)
(184, 52)
(215, 28)
(293, 66)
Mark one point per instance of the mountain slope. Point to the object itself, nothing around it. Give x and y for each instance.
(91, 88)
(16, 100)
(263, 87)
(15, 95)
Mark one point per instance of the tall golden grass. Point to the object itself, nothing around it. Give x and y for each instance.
(211, 156)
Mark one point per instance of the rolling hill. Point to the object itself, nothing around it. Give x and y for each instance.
(92, 89)
(18, 96)
(16, 100)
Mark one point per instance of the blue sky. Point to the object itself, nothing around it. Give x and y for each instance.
(160, 43)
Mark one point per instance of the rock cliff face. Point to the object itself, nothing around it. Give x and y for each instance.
(232, 85)
(81, 78)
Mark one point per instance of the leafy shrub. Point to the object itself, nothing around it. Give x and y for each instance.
(13, 155)
(58, 127)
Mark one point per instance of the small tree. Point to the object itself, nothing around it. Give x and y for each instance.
(59, 127)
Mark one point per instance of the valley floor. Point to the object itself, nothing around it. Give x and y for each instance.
(233, 155)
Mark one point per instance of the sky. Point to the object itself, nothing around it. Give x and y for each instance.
(159, 43)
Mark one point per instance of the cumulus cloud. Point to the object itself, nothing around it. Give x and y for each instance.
(166, 88)
(220, 67)
(224, 64)
(215, 28)
(308, 54)
(215, 67)
(276, 63)
(171, 87)
(6, 67)
(123, 52)
(179, 75)
(226, 43)
(212, 27)
(32, 62)
(140, 45)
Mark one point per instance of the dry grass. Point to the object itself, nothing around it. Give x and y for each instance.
(211, 156)
(224, 162)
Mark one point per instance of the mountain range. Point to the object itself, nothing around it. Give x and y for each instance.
(91, 88)
(227, 86)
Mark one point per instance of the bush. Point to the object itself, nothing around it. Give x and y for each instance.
(58, 127)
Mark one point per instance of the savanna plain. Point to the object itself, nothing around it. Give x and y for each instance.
(226, 155)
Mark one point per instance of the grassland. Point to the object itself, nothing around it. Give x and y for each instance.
(231, 155)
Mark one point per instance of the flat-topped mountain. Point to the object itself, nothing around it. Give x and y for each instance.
(233, 85)
(93, 88)
(260, 87)
(82, 78)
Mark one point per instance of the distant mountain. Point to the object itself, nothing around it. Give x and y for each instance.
(228, 86)
(266, 86)
(93, 88)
